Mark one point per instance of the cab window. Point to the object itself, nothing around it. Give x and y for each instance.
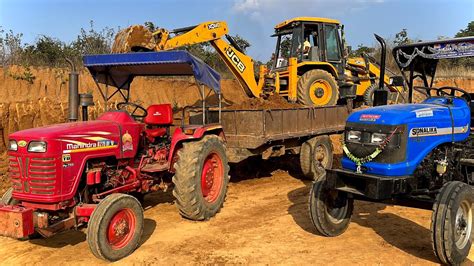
(332, 48)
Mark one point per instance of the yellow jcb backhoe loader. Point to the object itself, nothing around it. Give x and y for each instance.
(309, 65)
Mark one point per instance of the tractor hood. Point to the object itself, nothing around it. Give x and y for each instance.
(417, 129)
(113, 133)
(75, 129)
(434, 109)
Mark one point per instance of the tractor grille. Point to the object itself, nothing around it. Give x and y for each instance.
(35, 176)
(395, 152)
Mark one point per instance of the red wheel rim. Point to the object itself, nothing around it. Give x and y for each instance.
(212, 177)
(121, 228)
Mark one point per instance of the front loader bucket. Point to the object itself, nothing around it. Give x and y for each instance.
(135, 38)
(16, 221)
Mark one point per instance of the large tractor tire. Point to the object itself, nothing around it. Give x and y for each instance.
(115, 227)
(201, 178)
(7, 198)
(330, 210)
(451, 223)
(317, 88)
(315, 153)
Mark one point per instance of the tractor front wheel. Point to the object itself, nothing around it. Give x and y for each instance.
(317, 88)
(115, 227)
(451, 223)
(330, 210)
(201, 178)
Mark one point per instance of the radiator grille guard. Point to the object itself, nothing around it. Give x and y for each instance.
(33, 175)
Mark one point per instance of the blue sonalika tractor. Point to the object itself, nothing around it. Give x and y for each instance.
(417, 154)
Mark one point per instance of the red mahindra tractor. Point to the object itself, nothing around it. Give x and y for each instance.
(94, 173)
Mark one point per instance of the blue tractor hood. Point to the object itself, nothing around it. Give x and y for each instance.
(424, 126)
(432, 110)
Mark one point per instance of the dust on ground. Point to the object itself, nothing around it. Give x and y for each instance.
(264, 221)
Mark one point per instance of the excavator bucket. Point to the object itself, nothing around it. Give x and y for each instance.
(133, 39)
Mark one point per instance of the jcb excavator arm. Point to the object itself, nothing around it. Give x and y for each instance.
(139, 38)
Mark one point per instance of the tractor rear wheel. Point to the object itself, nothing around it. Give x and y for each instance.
(8, 199)
(201, 178)
(330, 210)
(317, 88)
(316, 152)
(451, 222)
(115, 227)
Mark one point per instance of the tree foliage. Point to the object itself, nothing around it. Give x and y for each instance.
(49, 51)
(468, 31)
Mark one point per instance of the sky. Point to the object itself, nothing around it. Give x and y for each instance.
(254, 20)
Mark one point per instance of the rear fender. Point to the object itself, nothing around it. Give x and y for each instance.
(183, 135)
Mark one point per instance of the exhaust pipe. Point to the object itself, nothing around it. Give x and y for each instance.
(73, 92)
(85, 101)
(380, 94)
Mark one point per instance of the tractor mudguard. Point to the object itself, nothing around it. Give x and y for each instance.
(192, 133)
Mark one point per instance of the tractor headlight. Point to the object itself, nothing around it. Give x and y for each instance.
(37, 146)
(377, 138)
(13, 146)
(354, 136)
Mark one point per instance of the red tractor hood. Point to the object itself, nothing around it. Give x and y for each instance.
(74, 130)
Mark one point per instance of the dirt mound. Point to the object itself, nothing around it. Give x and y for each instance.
(272, 102)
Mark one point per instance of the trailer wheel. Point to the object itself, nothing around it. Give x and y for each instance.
(201, 178)
(451, 223)
(314, 153)
(317, 88)
(330, 210)
(8, 199)
(115, 227)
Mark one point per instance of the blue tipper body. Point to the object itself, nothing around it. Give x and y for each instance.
(429, 124)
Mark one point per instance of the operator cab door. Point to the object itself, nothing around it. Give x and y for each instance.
(311, 37)
(289, 44)
(332, 46)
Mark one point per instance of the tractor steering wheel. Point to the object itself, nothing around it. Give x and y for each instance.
(124, 106)
(451, 92)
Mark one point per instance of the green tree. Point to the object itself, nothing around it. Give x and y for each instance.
(10, 46)
(468, 31)
(150, 26)
(361, 49)
(241, 42)
(402, 38)
(94, 42)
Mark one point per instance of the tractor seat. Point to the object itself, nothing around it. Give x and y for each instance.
(158, 120)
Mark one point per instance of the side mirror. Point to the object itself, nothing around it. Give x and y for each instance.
(397, 81)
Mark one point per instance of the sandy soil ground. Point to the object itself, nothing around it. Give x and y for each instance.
(264, 220)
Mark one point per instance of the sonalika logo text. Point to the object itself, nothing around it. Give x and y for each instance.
(424, 131)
